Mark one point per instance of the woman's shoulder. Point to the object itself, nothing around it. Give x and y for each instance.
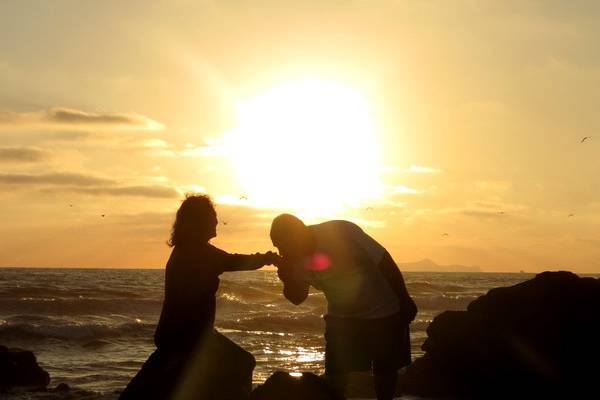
(215, 254)
(191, 268)
(202, 254)
(184, 254)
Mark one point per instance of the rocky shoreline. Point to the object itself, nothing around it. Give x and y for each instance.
(539, 338)
(19, 368)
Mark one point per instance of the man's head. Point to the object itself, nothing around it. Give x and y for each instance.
(291, 237)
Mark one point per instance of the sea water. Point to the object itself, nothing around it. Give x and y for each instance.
(93, 328)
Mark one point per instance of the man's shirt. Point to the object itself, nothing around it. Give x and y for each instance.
(345, 267)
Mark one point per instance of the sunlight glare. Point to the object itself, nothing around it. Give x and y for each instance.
(308, 146)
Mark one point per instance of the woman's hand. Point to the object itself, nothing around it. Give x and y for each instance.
(271, 258)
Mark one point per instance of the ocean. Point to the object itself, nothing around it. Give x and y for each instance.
(93, 328)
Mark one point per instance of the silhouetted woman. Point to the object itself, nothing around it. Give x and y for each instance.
(190, 354)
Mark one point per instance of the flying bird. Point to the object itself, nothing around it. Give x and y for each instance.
(585, 138)
(571, 215)
(243, 198)
(501, 212)
(103, 215)
(445, 234)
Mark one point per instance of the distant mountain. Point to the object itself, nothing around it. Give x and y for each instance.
(427, 265)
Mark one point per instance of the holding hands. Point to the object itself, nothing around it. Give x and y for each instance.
(287, 270)
(272, 258)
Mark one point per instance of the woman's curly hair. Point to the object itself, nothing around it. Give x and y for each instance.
(193, 222)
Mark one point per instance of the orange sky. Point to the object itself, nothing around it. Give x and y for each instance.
(414, 119)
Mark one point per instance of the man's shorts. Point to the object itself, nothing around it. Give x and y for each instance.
(354, 344)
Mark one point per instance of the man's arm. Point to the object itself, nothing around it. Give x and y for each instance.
(295, 292)
(393, 276)
(295, 286)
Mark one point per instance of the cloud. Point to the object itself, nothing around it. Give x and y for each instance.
(57, 178)
(413, 169)
(85, 184)
(160, 148)
(484, 214)
(71, 118)
(23, 154)
(68, 136)
(401, 189)
(191, 189)
(152, 191)
(419, 169)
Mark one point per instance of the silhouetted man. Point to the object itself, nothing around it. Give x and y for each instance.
(368, 307)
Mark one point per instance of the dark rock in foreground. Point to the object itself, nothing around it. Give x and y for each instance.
(537, 339)
(19, 368)
(62, 387)
(216, 369)
(282, 385)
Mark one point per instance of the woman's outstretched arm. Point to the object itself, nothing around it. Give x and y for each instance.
(248, 262)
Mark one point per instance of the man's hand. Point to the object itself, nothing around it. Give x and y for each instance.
(285, 270)
(295, 285)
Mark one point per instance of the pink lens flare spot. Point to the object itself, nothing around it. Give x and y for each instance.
(319, 262)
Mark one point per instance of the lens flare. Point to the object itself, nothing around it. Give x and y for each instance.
(318, 262)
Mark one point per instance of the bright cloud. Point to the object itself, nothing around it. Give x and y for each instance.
(419, 169)
(402, 189)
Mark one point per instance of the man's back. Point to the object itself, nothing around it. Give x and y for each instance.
(344, 267)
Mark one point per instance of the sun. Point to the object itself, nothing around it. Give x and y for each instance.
(307, 146)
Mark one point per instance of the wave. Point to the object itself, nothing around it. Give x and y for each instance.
(91, 333)
(78, 293)
(251, 294)
(428, 287)
(443, 302)
(74, 393)
(58, 306)
(276, 323)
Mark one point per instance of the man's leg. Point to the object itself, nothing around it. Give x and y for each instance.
(338, 383)
(385, 384)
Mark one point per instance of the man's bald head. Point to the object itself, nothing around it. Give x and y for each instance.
(290, 235)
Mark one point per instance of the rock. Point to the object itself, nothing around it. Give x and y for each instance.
(19, 368)
(539, 338)
(62, 387)
(216, 369)
(282, 385)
